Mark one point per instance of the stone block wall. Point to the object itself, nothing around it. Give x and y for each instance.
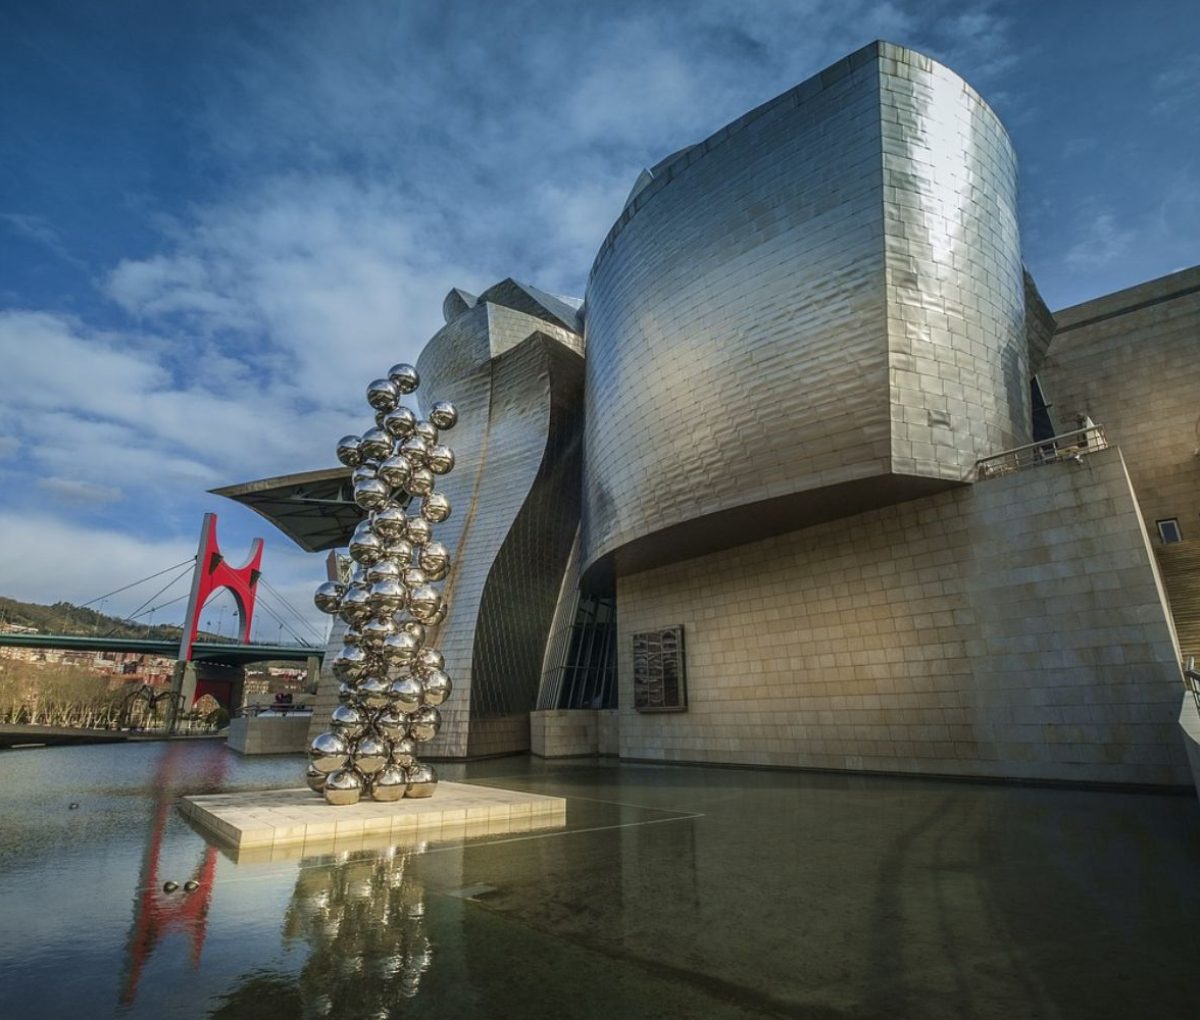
(1012, 629)
(270, 735)
(1130, 361)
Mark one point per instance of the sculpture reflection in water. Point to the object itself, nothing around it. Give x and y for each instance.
(184, 910)
(391, 680)
(364, 919)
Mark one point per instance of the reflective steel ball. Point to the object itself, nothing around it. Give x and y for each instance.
(435, 507)
(422, 781)
(423, 603)
(417, 630)
(366, 548)
(425, 723)
(315, 779)
(375, 631)
(392, 724)
(437, 687)
(400, 648)
(372, 494)
(420, 482)
(388, 596)
(404, 377)
(404, 752)
(374, 692)
(364, 473)
(351, 663)
(328, 597)
(440, 459)
(390, 523)
(356, 605)
(416, 449)
(348, 721)
(328, 751)
(349, 450)
(429, 659)
(427, 431)
(345, 786)
(400, 552)
(443, 414)
(385, 570)
(407, 694)
(376, 444)
(391, 783)
(382, 394)
(435, 561)
(414, 577)
(396, 471)
(400, 423)
(420, 531)
(370, 753)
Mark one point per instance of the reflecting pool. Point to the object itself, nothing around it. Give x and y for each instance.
(670, 892)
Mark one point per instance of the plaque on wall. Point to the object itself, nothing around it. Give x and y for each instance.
(659, 678)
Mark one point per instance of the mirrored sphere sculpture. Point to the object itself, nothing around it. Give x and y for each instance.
(391, 680)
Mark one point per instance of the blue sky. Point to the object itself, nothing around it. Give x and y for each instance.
(219, 220)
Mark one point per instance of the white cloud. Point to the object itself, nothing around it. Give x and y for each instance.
(366, 159)
(1102, 241)
(71, 491)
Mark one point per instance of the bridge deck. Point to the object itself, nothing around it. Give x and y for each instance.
(203, 651)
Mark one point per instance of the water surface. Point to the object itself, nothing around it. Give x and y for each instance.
(671, 892)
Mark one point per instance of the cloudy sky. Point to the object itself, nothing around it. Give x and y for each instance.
(219, 220)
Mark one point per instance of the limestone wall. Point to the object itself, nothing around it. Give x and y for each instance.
(1130, 360)
(1014, 628)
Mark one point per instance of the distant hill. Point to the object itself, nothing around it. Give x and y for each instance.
(65, 618)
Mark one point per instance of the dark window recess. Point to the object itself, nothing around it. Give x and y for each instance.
(1168, 531)
(1043, 424)
(590, 675)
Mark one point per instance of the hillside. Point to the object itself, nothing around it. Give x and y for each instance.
(65, 618)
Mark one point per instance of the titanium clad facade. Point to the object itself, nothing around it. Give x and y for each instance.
(957, 352)
(817, 310)
(515, 379)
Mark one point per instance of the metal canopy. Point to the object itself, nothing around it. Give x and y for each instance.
(315, 509)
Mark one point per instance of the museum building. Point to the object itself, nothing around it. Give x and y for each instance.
(812, 477)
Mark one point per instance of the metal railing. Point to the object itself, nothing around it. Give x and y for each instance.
(1067, 446)
(1191, 679)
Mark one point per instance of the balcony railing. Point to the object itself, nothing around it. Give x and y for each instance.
(1068, 446)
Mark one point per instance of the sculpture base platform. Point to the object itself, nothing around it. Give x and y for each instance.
(299, 817)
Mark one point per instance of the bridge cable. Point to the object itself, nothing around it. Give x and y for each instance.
(285, 625)
(136, 612)
(156, 608)
(117, 591)
(294, 611)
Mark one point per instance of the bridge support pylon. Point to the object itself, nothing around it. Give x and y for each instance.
(211, 574)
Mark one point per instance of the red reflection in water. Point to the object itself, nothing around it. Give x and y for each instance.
(156, 912)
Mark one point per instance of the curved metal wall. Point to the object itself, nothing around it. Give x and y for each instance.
(817, 310)
(516, 382)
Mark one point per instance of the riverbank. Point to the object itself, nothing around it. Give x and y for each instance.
(13, 737)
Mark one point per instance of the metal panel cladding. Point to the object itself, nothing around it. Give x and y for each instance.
(817, 310)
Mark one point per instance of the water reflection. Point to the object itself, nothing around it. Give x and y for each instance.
(363, 917)
(157, 912)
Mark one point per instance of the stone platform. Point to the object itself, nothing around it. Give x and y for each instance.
(263, 819)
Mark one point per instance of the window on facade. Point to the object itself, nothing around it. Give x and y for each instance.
(1168, 531)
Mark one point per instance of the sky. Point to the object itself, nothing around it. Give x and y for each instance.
(220, 220)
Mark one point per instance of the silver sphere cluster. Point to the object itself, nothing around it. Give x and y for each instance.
(391, 681)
